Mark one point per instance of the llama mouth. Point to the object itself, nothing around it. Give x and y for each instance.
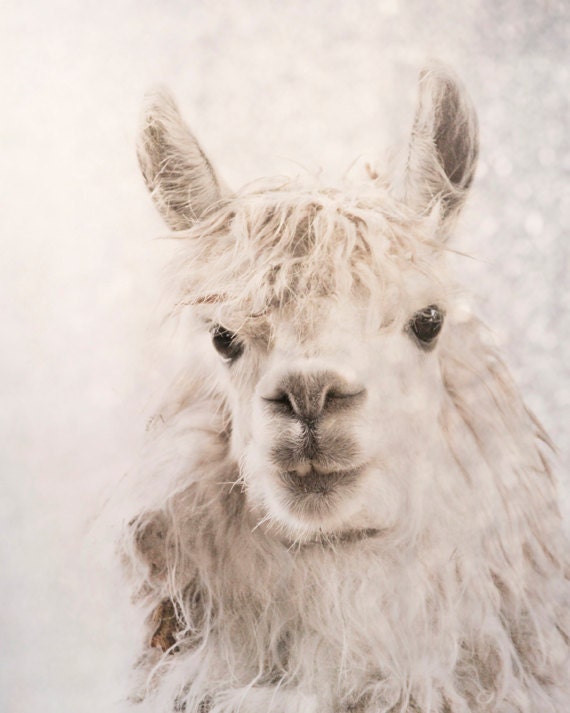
(316, 497)
(315, 482)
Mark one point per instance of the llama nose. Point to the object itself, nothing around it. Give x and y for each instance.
(309, 396)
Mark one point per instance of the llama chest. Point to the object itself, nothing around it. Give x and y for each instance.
(321, 631)
(338, 630)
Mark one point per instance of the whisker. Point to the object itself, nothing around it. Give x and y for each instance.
(263, 520)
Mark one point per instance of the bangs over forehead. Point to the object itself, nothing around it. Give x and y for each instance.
(276, 246)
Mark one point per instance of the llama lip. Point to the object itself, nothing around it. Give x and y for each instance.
(315, 482)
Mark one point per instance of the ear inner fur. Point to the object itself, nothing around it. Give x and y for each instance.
(176, 170)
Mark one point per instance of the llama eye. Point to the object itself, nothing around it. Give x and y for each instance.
(226, 343)
(427, 323)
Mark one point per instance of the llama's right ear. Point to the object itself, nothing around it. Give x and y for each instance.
(443, 148)
(180, 178)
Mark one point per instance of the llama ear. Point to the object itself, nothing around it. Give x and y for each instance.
(180, 178)
(444, 146)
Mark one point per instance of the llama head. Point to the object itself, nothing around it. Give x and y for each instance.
(321, 316)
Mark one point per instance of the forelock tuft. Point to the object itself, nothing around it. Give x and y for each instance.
(282, 243)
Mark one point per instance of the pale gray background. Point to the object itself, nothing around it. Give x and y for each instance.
(263, 84)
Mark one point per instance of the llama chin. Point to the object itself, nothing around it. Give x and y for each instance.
(344, 504)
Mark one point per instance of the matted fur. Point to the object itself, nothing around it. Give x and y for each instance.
(437, 582)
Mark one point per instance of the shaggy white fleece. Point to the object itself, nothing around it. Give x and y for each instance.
(337, 511)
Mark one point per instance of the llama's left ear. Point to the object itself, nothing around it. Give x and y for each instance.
(444, 146)
(180, 178)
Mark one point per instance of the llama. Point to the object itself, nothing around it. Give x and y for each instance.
(343, 505)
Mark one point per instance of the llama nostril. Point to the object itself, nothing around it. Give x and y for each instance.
(282, 402)
(334, 394)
